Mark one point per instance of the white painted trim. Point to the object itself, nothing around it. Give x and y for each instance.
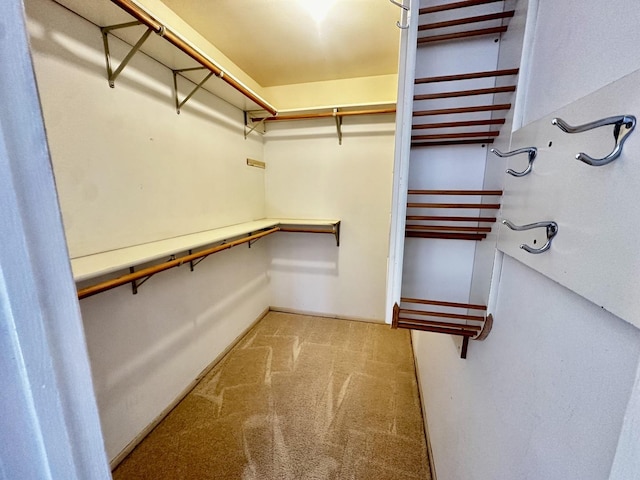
(423, 407)
(626, 463)
(50, 427)
(404, 120)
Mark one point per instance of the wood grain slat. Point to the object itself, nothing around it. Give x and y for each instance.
(435, 323)
(445, 143)
(467, 76)
(425, 327)
(436, 218)
(465, 93)
(478, 206)
(452, 228)
(467, 20)
(423, 301)
(455, 5)
(496, 193)
(466, 123)
(458, 110)
(464, 34)
(447, 136)
(447, 235)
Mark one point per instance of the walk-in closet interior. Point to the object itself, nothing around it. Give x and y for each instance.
(402, 229)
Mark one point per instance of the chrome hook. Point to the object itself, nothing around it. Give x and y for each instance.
(532, 151)
(623, 126)
(552, 230)
(406, 9)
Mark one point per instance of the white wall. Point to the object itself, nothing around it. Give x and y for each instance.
(130, 170)
(309, 175)
(545, 395)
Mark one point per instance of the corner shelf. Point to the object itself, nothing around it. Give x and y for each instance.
(105, 263)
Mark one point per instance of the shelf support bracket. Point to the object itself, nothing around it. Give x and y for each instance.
(261, 123)
(338, 125)
(136, 284)
(113, 74)
(336, 233)
(180, 104)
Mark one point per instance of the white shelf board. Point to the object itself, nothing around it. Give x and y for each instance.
(91, 266)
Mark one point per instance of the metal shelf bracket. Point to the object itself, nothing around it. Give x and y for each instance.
(113, 74)
(261, 124)
(180, 104)
(338, 125)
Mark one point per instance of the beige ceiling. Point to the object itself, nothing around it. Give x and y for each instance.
(277, 42)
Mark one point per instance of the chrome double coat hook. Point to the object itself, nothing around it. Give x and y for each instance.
(532, 151)
(623, 125)
(552, 231)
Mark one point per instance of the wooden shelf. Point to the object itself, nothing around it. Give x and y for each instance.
(473, 327)
(467, 20)
(455, 5)
(465, 34)
(104, 263)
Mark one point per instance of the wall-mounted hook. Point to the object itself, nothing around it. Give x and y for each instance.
(532, 151)
(552, 230)
(406, 9)
(623, 126)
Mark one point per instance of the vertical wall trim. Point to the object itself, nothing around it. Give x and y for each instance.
(51, 418)
(404, 119)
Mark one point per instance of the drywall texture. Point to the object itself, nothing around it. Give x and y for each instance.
(130, 170)
(309, 175)
(571, 54)
(543, 397)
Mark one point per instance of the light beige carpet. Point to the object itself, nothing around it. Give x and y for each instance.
(299, 398)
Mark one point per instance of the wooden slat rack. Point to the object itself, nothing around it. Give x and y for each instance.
(443, 229)
(454, 27)
(455, 22)
(416, 316)
(192, 248)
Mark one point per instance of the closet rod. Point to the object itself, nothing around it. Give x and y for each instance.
(453, 6)
(468, 76)
(467, 20)
(488, 206)
(448, 111)
(465, 93)
(470, 306)
(307, 116)
(436, 218)
(144, 17)
(465, 34)
(149, 271)
(465, 123)
(444, 136)
(447, 228)
(455, 192)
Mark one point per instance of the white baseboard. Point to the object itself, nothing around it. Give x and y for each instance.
(324, 315)
(432, 465)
